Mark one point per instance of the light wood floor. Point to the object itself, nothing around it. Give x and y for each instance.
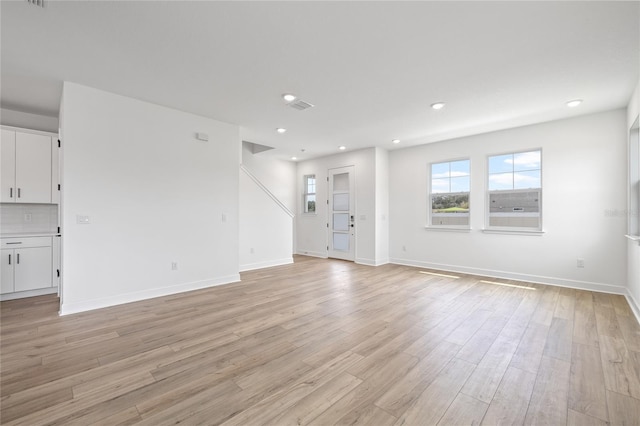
(328, 342)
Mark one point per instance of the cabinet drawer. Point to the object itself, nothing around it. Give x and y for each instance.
(16, 243)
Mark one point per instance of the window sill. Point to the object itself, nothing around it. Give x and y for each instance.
(633, 237)
(447, 228)
(514, 232)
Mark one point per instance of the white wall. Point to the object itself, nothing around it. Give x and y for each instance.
(266, 229)
(154, 194)
(312, 228)
(9, 117)
(277, 175)
(582, 176)
(633, 248)
(382, 206)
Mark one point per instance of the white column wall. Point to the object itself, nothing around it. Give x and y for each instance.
(154, 195)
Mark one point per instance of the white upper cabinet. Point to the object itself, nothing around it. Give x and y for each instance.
(26, 167)
(8, 166)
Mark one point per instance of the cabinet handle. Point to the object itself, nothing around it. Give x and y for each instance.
(18, 258)
(18, 192)
(9, 259)
(17, 242)
(10, 192)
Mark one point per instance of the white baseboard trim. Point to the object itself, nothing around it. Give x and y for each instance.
(266, 264)
(322, 255)
(87, 305)
(28, 293)
(635, 306)
(538, 279)
(371, 262)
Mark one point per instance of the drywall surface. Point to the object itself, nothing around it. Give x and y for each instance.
(153, 195)
(584, 177)
(382, 206)
(9, 117)
(633, 247)
(267, 210)
(266, 229)
(311, 228)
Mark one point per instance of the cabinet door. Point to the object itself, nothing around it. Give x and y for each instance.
(33, 168)
(8, 166)
(32, 268)
(7, 262)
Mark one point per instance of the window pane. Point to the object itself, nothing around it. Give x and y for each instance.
(501, 163)
(439, 170)
(460, 184)
(310, 184)
(341, 221)
(341, 182)
(525, 180)
(460, 168)
(341, 202)
(341, 242)
(500, 181)
(439, 186)
(450, 204)
(310, 203)
(514, 203)
(526, 161)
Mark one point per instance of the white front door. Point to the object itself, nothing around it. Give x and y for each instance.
(341, 213)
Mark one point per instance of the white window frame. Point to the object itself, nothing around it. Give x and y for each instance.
(513, 229)
(430, 216)
(306, 194)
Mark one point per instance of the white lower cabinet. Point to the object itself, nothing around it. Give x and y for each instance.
(27, 264)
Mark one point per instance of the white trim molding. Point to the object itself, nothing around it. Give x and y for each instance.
(266, 191)
(322, 255)
(537, 279)
(633, 303)
(88, 305)
(266, 264)
(29, 293)
(371, 262)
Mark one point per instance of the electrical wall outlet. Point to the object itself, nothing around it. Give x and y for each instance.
(174, 266)
(580, 263)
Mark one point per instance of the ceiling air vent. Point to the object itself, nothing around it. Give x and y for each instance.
(300, 105)
(39, 3)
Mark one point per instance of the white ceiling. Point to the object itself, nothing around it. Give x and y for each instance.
(371, 68)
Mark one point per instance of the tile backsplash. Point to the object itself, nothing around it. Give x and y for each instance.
(18, 218)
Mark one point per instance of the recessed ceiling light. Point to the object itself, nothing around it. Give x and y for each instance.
(574, 103)
(281, 130)
(342, 148)
(289, 97)
(437, 105)
(294, 158)
(396, 141)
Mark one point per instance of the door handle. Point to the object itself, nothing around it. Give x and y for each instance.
(352, 225)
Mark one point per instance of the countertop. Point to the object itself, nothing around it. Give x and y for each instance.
(29, 234)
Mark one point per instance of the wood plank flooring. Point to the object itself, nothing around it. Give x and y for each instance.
(326, 342)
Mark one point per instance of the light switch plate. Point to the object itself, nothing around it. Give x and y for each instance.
(83, 220)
